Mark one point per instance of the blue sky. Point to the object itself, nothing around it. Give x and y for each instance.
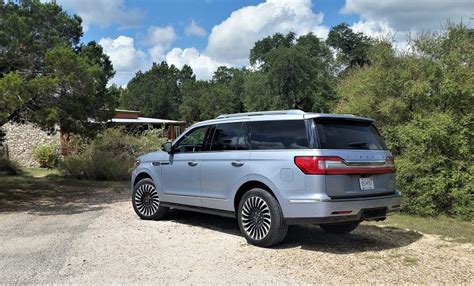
(206, 14)
(208, 33)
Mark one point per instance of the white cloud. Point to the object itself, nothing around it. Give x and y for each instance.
(202, 65)
(125, 58)
(160, 36)
(103, 12)
(231, 40)
(373, 29)
(193, 29)
(161, 39)
(403, 17)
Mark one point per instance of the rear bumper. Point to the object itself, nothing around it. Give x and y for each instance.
(314, 211)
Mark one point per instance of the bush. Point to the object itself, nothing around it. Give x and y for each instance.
(435, 170)
(46, 155)
(111, 155)
(150, 141)
(9, 166)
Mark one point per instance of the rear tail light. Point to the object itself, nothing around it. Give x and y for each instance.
(390, 162)
(325, 165)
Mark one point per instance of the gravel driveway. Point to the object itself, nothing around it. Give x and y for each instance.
(93, 236)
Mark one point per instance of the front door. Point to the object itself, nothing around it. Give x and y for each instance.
(224, 167)
(181, 175)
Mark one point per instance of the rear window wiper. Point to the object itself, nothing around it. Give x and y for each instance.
(360, 144)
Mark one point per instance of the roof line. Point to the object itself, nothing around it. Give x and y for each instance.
(259, 113)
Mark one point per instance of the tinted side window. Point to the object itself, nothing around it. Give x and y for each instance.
(194, 141)
(229, 136)
(288, 134)
(347, 134)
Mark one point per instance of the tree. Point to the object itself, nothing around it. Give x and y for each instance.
(423, 102)
(296, 72)
(29, 29)
(257, 92)
(215, 100)
(47, 77)
(190, 107)
(156, 92)
(203, 100)
(231, 79)
(261, 49)
(352, 48)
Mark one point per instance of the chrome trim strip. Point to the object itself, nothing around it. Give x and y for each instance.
(214, 199)
(304, 201)
(373, 164)
(195, 197)
(182, 196)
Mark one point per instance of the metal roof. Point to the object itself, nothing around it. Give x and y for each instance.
(145, 120)
(127, 111)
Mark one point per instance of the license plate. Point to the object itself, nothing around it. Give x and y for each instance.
(366, 183)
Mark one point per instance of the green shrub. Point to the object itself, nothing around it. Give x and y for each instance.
(435, 170)
(8, 166)
(46, 155)
(110, 156)
(74, 166)
(151, 140)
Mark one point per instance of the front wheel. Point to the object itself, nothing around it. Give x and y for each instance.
(146, 201)
(261, 219)
(340, 227)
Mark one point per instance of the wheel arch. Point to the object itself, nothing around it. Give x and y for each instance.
(247, 186)
(140, 176)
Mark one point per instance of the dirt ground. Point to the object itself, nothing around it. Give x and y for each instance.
(93, 236)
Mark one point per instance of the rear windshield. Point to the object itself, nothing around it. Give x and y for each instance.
(348, 134)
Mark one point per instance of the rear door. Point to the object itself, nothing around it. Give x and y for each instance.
(366, 168)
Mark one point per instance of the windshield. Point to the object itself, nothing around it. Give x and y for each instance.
(348, 134)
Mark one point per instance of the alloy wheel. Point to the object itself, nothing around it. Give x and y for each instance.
(147, 200)
(256, 218)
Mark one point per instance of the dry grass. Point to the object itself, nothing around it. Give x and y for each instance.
(447, 228)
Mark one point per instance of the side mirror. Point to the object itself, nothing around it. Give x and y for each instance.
(167, 147)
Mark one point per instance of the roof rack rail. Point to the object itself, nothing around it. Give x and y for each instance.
(259, 113)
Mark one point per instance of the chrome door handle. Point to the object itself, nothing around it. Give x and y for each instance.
(192, 163)
(237, 163)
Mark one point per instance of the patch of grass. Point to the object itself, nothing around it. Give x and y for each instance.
(410, 261)
(449, 229)
(50, 180)
(40, 172)
(47, 192)
(373, 256)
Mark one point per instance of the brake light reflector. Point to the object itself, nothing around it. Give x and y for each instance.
(330, 165)
(315, 165)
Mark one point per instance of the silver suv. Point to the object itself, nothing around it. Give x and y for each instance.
(270, 170)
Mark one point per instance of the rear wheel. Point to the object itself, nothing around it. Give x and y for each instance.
(146, 201)
(340, 227)
(261, 219)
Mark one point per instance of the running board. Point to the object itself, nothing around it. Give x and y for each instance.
(199, 209)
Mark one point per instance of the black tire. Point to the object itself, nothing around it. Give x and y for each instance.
(146, 201)
(340, 227)
(260, 218)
